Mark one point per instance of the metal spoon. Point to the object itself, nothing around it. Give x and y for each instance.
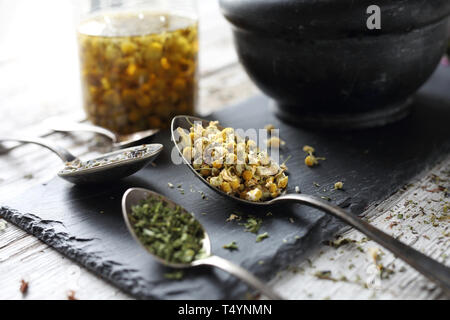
(433, 270)
(119, 141)
(102, 173)
(134, 196)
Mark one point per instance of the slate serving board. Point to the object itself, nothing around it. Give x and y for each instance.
(85, 223)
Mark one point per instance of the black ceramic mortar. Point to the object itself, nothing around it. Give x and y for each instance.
(325, 68)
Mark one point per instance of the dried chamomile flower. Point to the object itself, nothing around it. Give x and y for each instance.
(275, 142)
(234, 165)
(308, 149)
(311, 160)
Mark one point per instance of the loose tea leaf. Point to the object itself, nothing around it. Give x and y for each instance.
(169, 233)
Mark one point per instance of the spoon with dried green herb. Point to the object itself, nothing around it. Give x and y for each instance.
(175, 238)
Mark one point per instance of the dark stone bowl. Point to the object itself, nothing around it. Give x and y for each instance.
(325, 68)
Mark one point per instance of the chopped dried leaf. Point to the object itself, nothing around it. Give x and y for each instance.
(231, 246)
(170, 233)
(262, 236)
(176, 275)
(338, 185)
(71, 295)
(253, 224)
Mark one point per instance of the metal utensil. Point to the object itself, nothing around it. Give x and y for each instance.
(433, 270)
(103, 173)
(119, 141)
(134, 196)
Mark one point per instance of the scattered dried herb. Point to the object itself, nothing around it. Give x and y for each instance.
(339, 185)
(103, 161)
(253, 224)
(231, 163)
(340, 242)
(262, 236)
(23, 286)
(176, 275)
(170, 233)
(231, 246)
(233, 217)
(311, 160)
(324, 275)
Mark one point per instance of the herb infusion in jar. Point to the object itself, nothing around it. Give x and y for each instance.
(138, 68)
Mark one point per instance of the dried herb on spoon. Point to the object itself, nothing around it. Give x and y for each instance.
(168, 232)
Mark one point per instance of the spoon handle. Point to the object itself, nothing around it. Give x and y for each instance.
(240, 273)
(433, 270)
(73, 126)
(62, 153)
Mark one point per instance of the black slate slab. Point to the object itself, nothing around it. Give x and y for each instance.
(85, 223)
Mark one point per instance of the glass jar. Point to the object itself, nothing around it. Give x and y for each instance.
(138, 62)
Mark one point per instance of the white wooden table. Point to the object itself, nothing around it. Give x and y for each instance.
(38, 79)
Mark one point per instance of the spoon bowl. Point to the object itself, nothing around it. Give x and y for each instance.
(103, 171)
(134, 196)
(433, 270)
(185, 122)
(114, 170)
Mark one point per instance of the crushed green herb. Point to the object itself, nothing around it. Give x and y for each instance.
(253, 224)
(262, 236)
(231, 246)
(169, 233)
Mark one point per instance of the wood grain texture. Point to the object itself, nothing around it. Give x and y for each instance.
(223, 82)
